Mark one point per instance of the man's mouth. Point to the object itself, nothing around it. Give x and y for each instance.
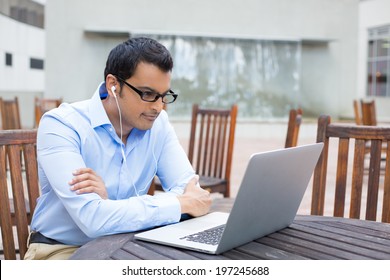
(150, 117)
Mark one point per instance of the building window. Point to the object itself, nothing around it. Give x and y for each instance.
(8, 59)
(378, 68)
(26, 11)
(36, 63)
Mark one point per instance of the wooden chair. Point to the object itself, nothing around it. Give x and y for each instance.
(10, 115)
(345, 133)
(14, 212)
(42, 105)
(211, 148)
(294, 123)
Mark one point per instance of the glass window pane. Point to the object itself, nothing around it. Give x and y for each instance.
(371, 48)
(8, 59)
(36, 63)
(381, 78)
(370, 80)
(381, 47)
(378, 61)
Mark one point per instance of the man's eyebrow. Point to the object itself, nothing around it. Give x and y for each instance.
(147, 88)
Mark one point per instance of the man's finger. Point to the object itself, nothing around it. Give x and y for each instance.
(195, 179)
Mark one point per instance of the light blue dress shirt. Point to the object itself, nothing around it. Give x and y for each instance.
(81, 135)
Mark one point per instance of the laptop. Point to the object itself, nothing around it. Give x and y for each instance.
(268, 199)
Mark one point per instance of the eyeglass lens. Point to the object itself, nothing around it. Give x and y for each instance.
(153, 96)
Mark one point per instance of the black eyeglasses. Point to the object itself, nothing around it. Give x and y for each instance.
(152, 96)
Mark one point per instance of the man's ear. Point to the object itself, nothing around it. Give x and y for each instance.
(111, 84)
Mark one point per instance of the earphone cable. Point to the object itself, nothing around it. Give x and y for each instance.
(121, 129)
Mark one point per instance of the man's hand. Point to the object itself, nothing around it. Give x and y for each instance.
(85, 180)
(195, 201)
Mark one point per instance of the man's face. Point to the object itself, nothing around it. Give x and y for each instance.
(137, 113)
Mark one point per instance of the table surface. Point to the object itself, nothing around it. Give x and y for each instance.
(308, 237)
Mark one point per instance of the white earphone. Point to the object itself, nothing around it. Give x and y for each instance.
(113, 89)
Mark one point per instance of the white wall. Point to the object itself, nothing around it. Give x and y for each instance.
(23, 41)
(75, 62)
(372, 13)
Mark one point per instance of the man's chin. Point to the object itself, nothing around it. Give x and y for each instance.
(145, 126)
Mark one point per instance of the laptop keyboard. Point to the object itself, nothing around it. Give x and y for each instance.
(210, 236)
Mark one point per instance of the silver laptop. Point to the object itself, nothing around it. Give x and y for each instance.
(267, 201)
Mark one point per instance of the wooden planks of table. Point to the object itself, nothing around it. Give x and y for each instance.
(308, 237)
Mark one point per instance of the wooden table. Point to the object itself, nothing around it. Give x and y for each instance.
(308, 237)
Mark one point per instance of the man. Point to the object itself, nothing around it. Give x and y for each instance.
(98, 157)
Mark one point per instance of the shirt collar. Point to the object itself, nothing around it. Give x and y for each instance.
(97, 112)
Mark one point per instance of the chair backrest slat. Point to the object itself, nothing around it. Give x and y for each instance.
(31, 167)
(341, 177)
(357, 178)
(5, 211)
(18, 196)
(373, 179)
(221, 164)
(386, 188)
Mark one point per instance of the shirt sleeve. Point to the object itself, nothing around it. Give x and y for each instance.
(59, 155)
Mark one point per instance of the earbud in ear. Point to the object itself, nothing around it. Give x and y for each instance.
(113, 89)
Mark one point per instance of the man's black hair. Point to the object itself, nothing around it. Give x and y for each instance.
(125, 57)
